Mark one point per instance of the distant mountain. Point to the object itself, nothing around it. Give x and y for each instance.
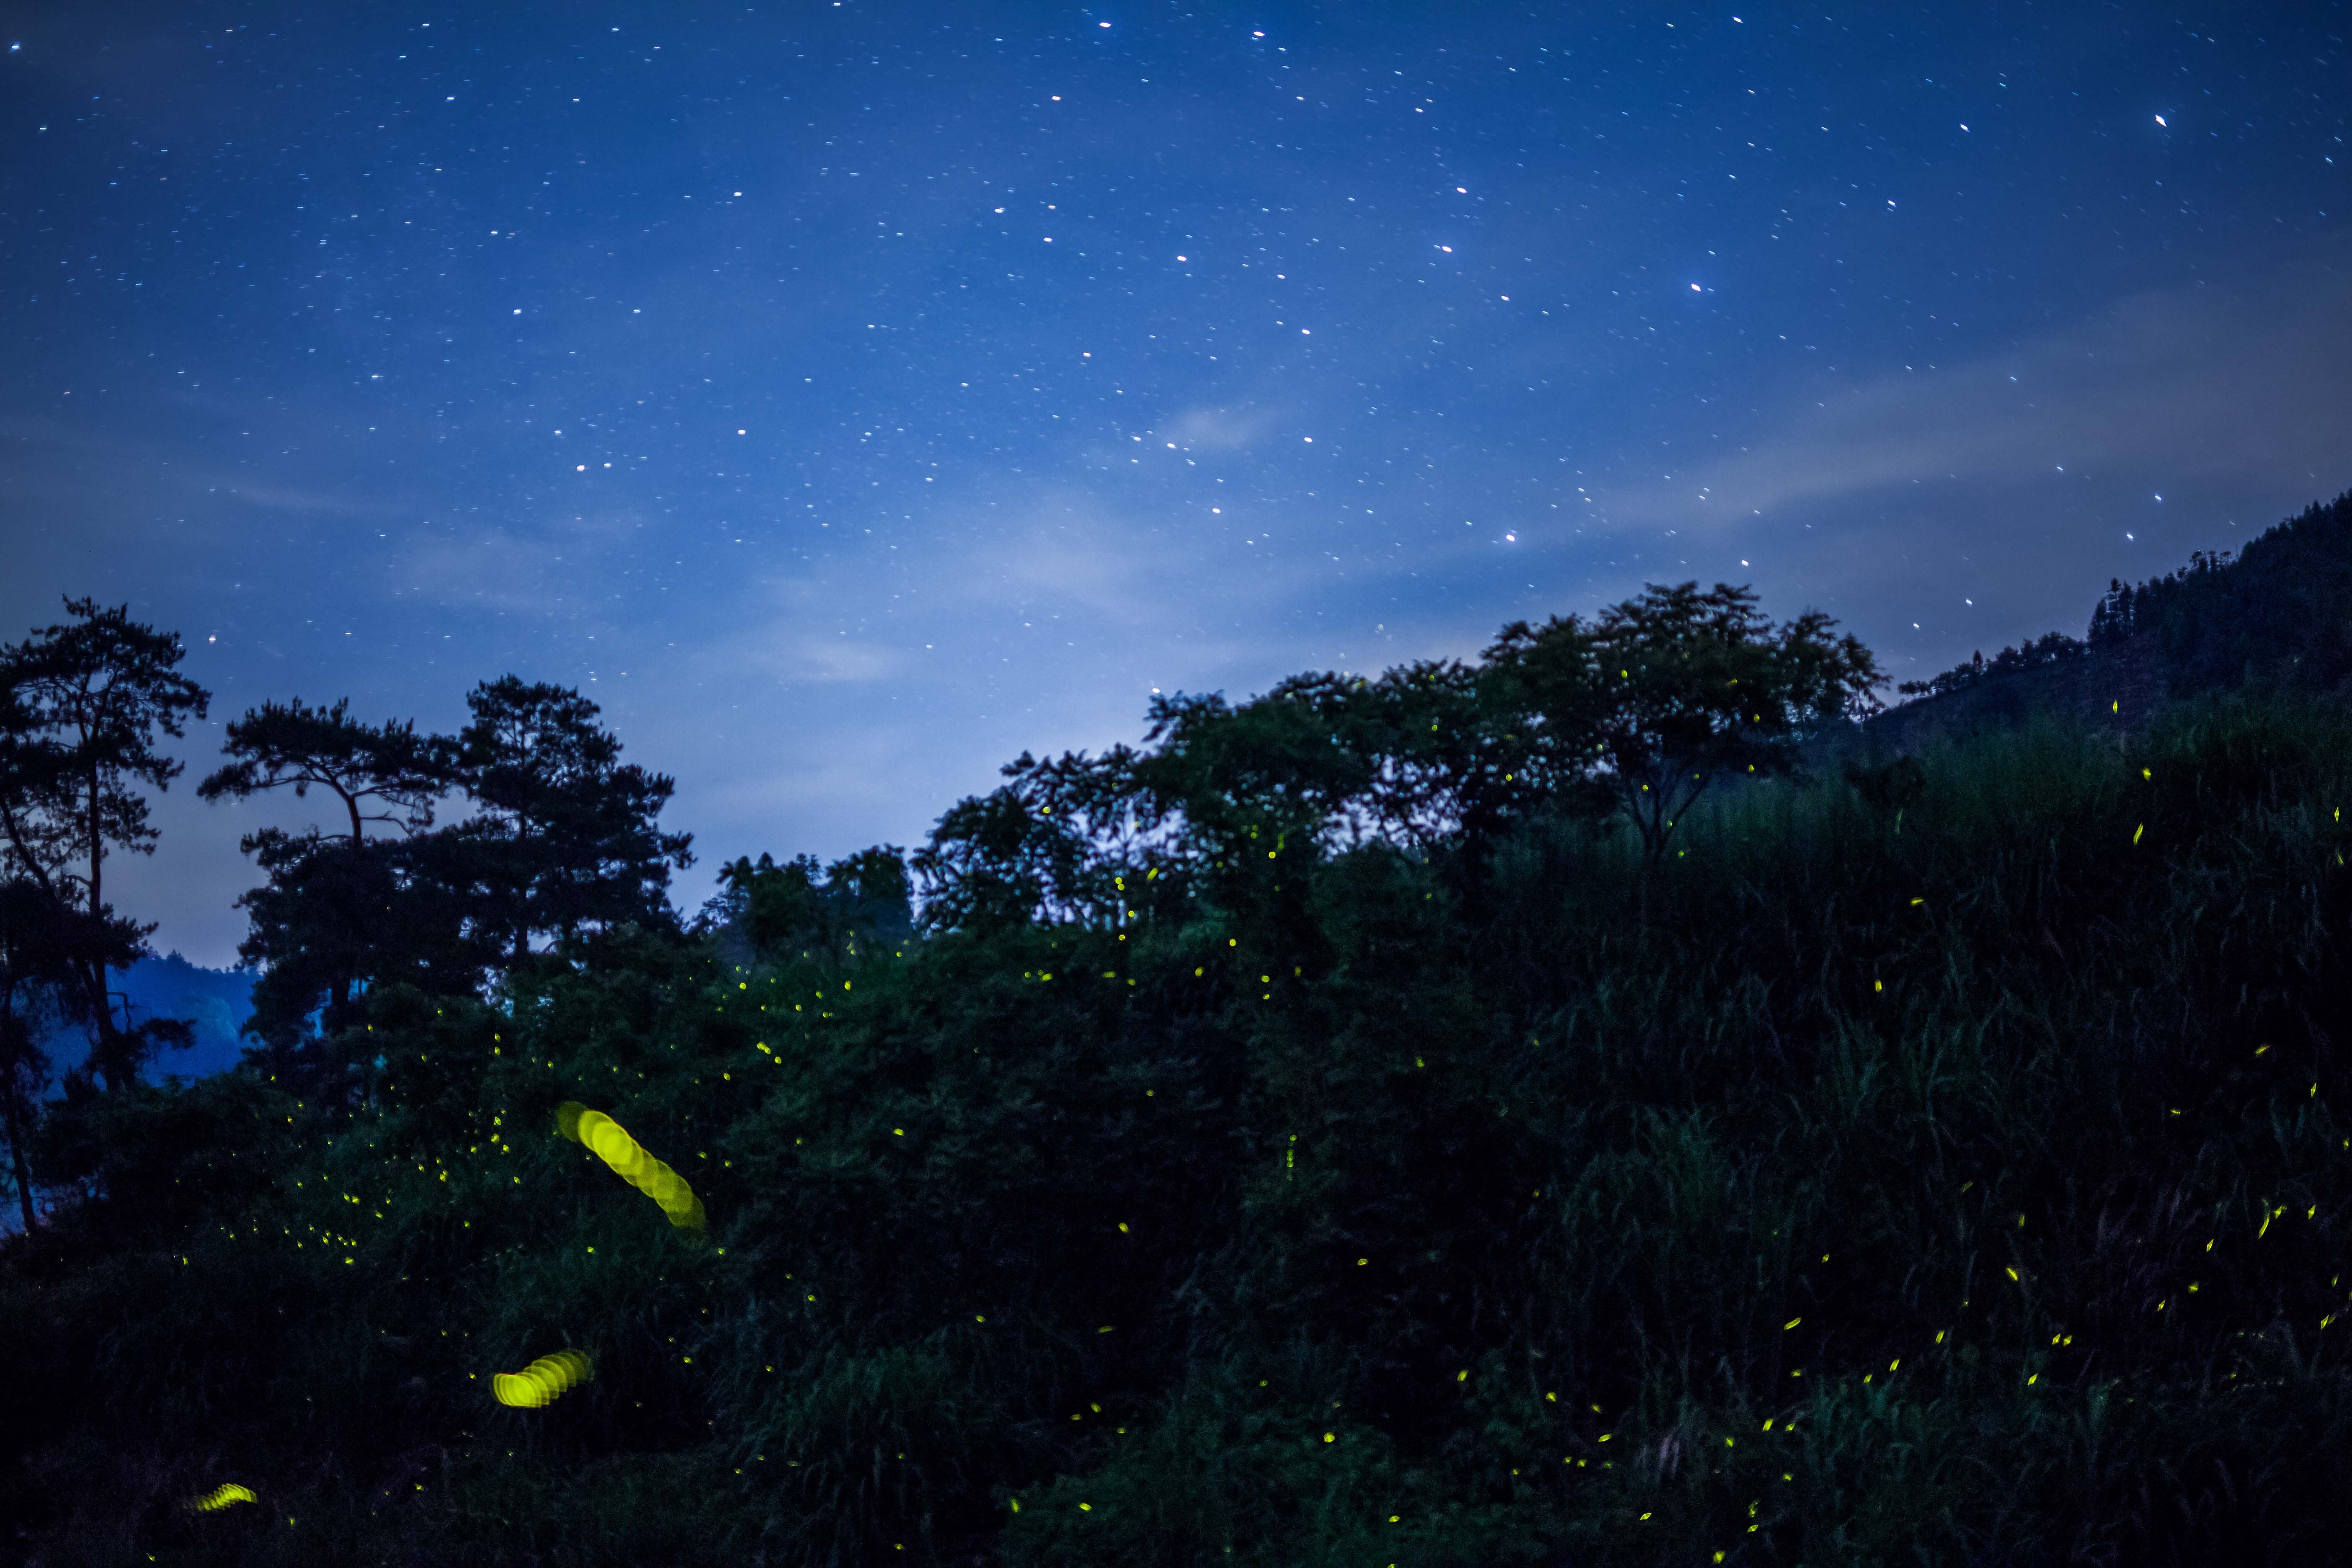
(2278, 616)
(217, 1001)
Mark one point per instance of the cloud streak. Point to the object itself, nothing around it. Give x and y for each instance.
(2200, 383)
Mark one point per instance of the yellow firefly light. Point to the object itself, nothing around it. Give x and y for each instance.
(221, 1497)
(610, 1143)
(540, 1383)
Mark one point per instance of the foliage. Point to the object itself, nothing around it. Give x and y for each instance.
(2271, 614)
(1634, 715)
(44, 944)
(84, 701)
(336, 919)
(1857, 1206)
(387, 766)
(93, 692)
(2040, 653)
(563, 837)
(1953, 1167)
(562, 841)
(824, 914)
(1704, 688)
(1062, 842)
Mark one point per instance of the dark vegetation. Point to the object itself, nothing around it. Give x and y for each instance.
(1359, 1125)
(2272, 617)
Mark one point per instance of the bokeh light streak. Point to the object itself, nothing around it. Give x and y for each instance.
(611, 1143)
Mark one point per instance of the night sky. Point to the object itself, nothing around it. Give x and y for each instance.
(848, 397)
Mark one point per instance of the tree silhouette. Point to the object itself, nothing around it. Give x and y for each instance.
(386, 767)
(334, 920)
(89, 696)
(563, 841)
(38, 982)
(1666, 694)
(1412, 757)
(2269, 614)
(564, 837)
(856, 905)
(338, 912)
(1062, 841)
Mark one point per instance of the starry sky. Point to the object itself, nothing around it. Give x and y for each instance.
(848, 397)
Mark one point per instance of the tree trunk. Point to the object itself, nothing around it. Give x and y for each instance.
(23, 1167)
(105, 1055)
(12, 1124)
(97, 844)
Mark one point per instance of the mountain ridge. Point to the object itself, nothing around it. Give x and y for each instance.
(215, 1001)
(2276, 615)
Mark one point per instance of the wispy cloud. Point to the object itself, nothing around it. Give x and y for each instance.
(491, 570)
(1219, 429)
(295, 498)
(2183, 384)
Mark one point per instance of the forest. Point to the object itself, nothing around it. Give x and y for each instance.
(1591, 1102)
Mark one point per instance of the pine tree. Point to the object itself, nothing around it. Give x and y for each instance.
(89, 696)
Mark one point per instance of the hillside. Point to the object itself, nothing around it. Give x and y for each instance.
(1943, 1185)
(1893, 1165)
(215, 1001)
(2277, 617)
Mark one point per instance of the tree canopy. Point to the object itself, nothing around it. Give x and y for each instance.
(563, 836)
(1659, 698)
(1630, 716)
(88, 698)
(560, 839)
(384, 772)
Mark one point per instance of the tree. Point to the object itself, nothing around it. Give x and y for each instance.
(381, 772)
(88, 697)
(37, 983)
(1066, 839)
(857, 903)
(37, 815)
(1415, 758)
(337, 913)
(1658, 698)
(563, 840)
(565, 837)
(47, 948)
(334, 920)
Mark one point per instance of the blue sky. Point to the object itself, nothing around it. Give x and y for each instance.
(849, 397)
